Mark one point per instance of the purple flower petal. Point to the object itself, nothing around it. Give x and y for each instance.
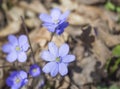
(68, 58)
(63, 70)
(63, 50)
(61, 27)
(55, 13)
(7, 48)
(47, 56)
(25, 47)
(23, 74)
(48, 67)
(64, 15)
(50, 27)
(45, 18)
(25, 81)
(11, 57)
(9, 81)
(13, 73)
(22, 57)
(22, 40)
(47, 24)
(13, 40)
(14, 87)
(54, 70)
(42, 83)
(53, 49)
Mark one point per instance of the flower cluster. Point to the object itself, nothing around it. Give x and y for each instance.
(16, 49)
(58, 59)
(18, 79)
(56, 22)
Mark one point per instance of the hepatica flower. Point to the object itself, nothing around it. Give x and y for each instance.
(56, 21)
(16, 48)
(34, 70)
(58, 59)
(17, 79)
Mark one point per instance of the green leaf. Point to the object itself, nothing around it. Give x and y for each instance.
(107, 63)
(114, 87)
(102, 87)
(118, 21)
(116, 51)
(110, 6)
(111, 87)
(118, 9)
(116, 65)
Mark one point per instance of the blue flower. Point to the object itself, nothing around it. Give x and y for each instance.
(58, 59)
(16, 48)
(17, 79)
(34, 70)
(56, 22)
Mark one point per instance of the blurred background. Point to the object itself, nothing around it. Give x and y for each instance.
(93, 35)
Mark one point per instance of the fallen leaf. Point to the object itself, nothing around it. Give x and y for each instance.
(12, 28)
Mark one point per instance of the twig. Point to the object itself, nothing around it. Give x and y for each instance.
(5, 66)
(12, 66)
(71, 82)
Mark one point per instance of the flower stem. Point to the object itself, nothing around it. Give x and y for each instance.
(16, 64)
(26, 30)
(52, 36)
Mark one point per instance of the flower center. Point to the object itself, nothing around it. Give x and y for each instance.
(17, 48)
(58, 59)
(17, 80)
(34, 70)
(55, 21)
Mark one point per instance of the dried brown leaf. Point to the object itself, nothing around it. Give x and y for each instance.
(35, 6)
(12, 28)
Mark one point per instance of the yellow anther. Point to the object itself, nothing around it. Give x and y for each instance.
(34, 70)
(17, 80)
(57, 59)
(17, 48)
